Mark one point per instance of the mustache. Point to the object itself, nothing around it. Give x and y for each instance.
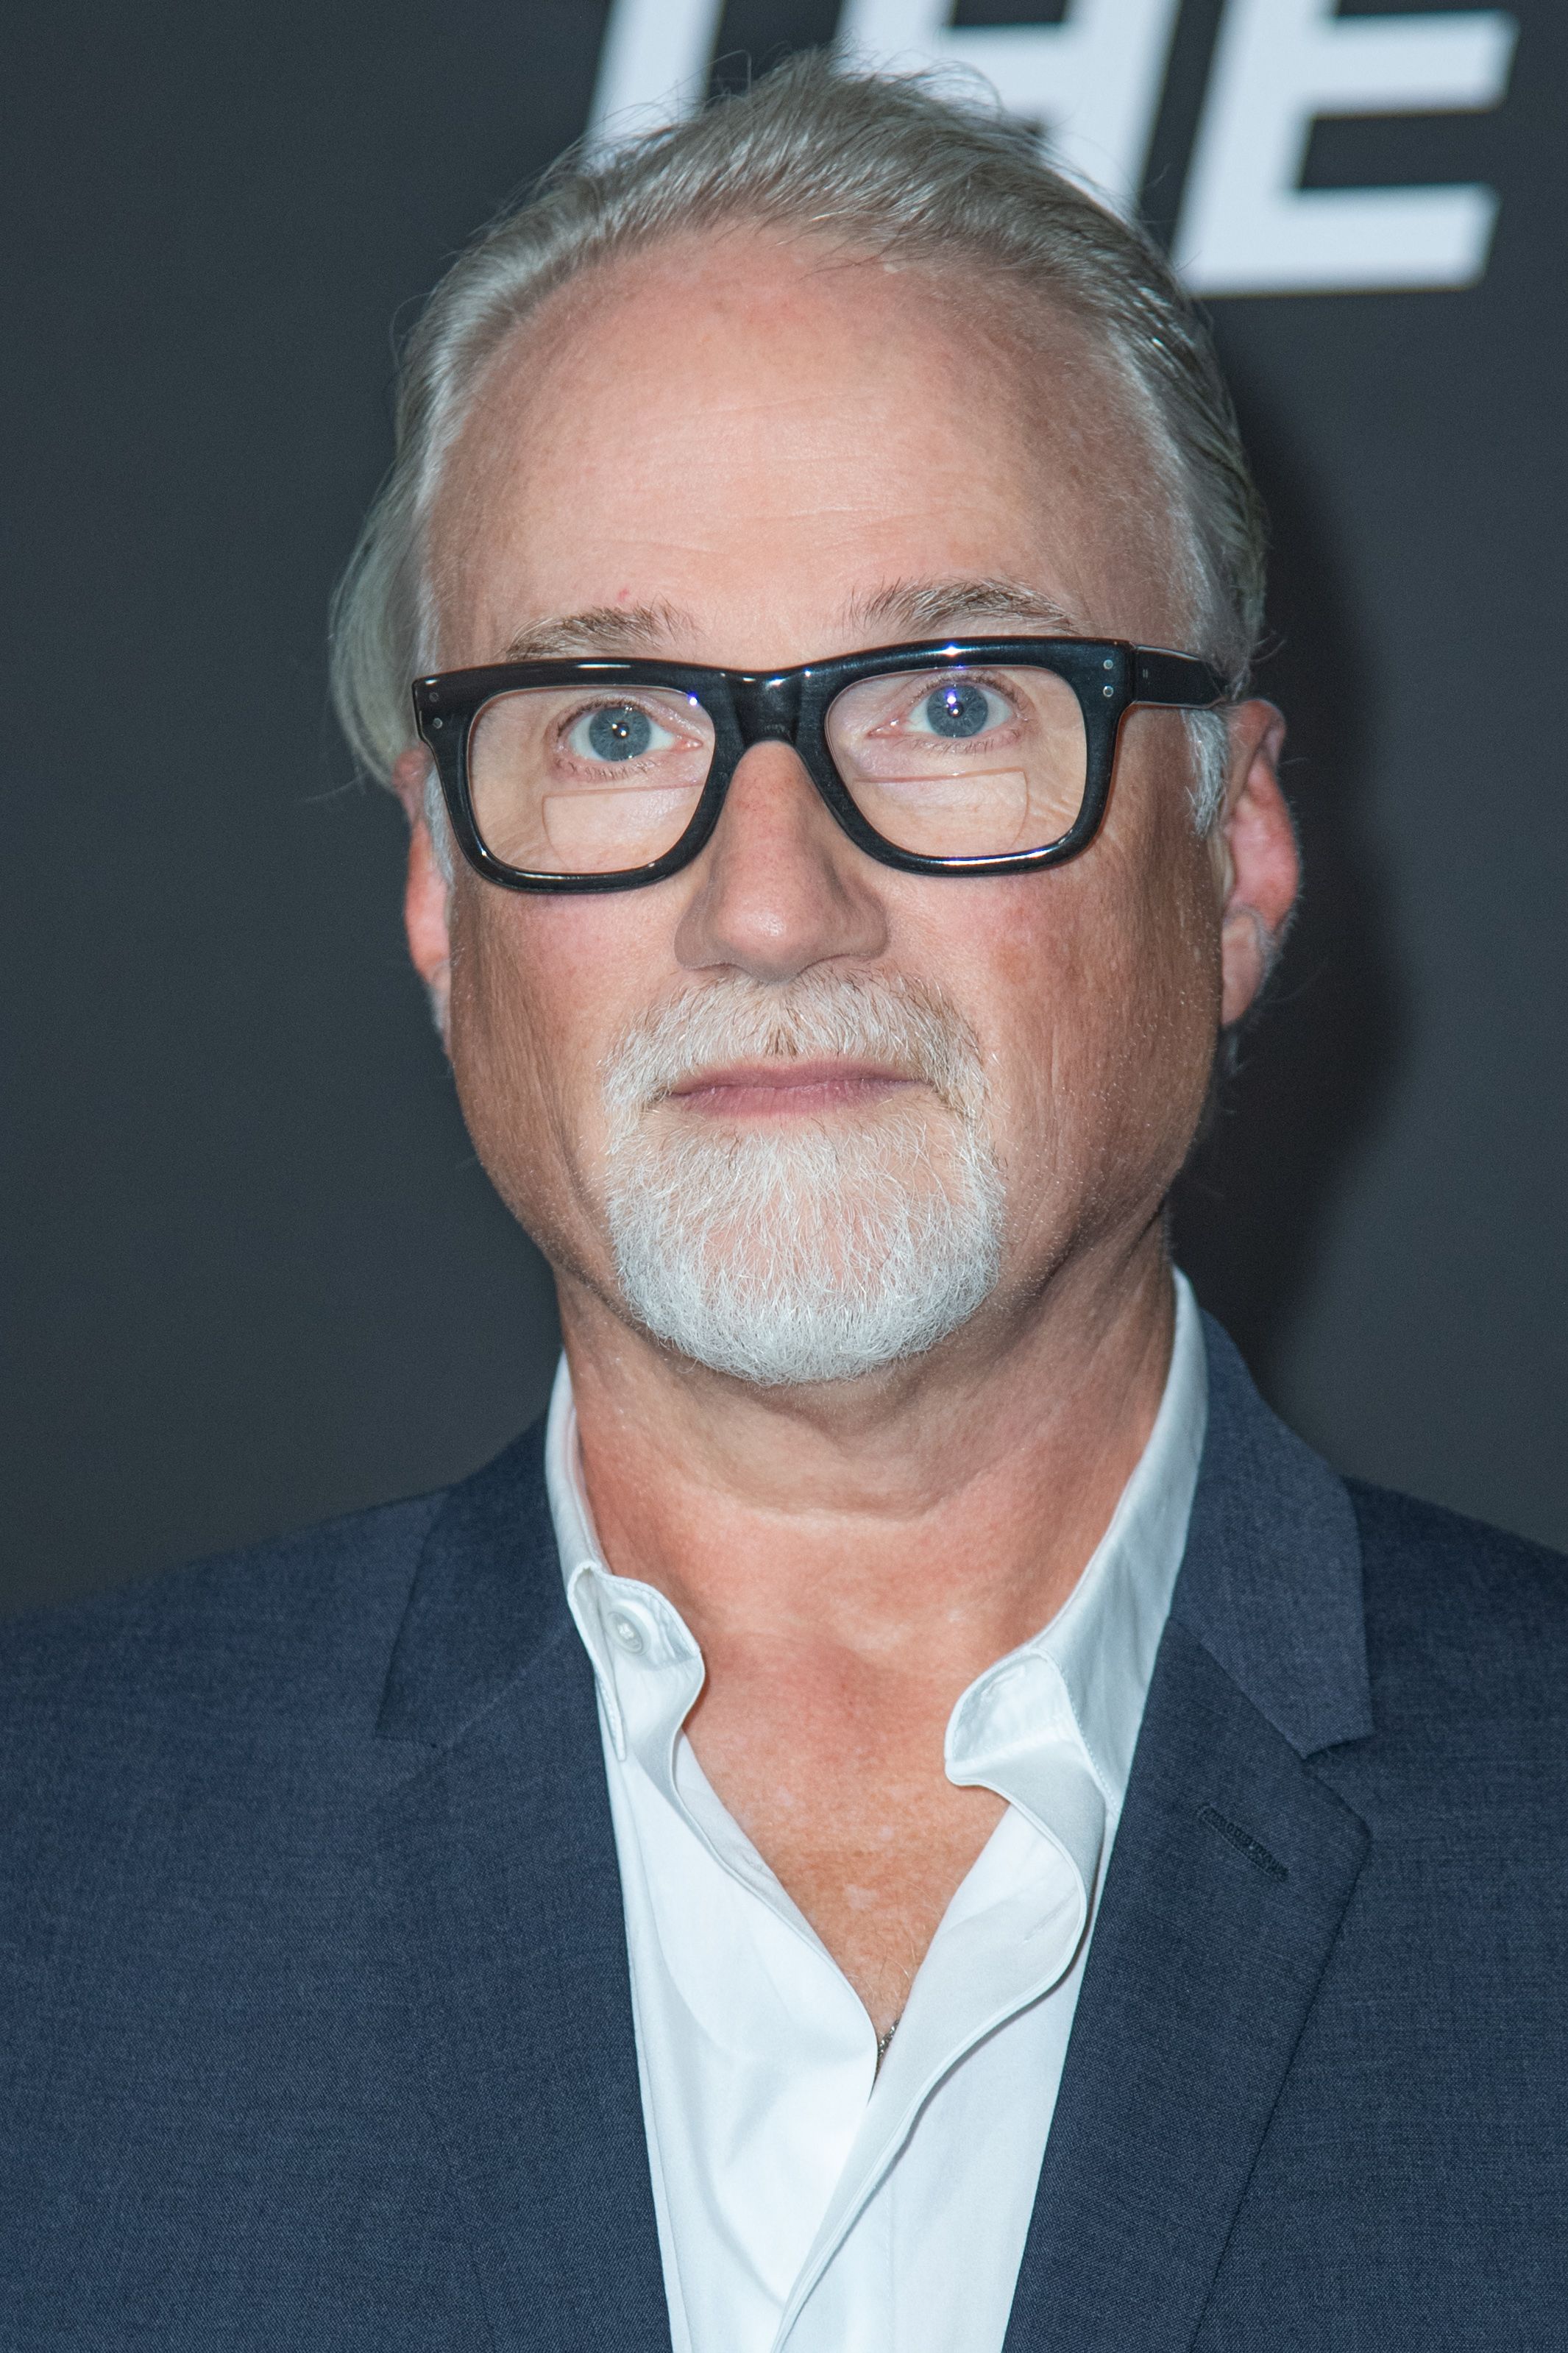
(901, 1024)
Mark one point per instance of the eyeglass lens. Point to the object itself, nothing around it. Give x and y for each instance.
(961, 763)
(951, 762)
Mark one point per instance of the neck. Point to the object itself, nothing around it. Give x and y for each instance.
(924, 1521)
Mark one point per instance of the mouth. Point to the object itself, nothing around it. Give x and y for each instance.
(779, 1089)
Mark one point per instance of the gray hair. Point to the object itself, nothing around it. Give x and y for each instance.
(905, 166)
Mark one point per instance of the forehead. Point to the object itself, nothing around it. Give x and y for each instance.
(758, 433)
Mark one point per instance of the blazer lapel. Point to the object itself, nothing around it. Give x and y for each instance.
(503, 1918)
(1231, 1871)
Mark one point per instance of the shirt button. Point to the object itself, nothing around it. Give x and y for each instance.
(626, 1631)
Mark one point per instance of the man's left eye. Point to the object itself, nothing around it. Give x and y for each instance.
(958, 707)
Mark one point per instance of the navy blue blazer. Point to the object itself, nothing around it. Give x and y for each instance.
(315, 2027)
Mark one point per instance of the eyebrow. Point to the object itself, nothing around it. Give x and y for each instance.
(909, 609)
(625, 629)
(931, 608)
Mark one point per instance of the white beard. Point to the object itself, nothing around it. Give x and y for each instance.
(816, 1252)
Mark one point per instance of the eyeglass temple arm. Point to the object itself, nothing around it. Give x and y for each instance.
(1176, 679)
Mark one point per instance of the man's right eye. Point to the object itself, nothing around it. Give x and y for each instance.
(616, 732)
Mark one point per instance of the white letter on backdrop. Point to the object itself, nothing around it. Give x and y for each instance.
(655, 55)
(1247, 226)
(1093, 82)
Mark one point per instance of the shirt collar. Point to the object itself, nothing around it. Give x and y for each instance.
(1082, 1681)
(645, 1663)
(1103, 1638)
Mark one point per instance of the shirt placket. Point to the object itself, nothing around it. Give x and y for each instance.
(1000, 1947)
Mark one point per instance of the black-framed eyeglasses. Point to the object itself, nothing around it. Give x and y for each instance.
(955, 756)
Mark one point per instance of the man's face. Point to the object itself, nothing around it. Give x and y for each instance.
(752, 453)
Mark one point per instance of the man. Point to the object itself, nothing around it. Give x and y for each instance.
(913, 1814)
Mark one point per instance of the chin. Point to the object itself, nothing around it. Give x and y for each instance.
(788, 1256)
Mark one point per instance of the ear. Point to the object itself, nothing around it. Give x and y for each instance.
(1258, 867)
(426, 898)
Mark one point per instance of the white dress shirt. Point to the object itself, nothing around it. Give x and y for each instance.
(807, 2203)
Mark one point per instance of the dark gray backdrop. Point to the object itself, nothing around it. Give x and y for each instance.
(254, 1274)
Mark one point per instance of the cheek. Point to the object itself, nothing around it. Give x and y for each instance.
(1097, 991)
(497, 1071)
(1153, 980)
(528, 1031)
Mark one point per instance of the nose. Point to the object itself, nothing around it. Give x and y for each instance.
(779, 888)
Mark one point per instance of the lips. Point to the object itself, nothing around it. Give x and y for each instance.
(778, 1088)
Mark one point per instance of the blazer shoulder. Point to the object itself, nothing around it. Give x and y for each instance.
(1482, 1611)
(281, 1626)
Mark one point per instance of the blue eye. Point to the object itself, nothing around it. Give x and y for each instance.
(617, 732)
(957, 708)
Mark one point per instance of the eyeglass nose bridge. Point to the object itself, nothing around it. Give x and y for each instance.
(767, 710)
